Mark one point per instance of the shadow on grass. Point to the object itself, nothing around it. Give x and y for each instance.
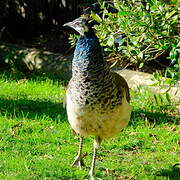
(171, 173)
(32, 75)
(151, 118)
(30, 109)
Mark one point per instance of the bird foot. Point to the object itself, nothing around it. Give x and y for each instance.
(78, 162)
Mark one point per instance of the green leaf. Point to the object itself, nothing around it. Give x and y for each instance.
(168, 81)
(141, 65)
(170, 14)
(134, 52)
(168, 97)
(156, 46)
(122, 48)
(107, 49)
(110, 41)
(123, 13)
(164, 47)
(134, 40)
(156, 98)
(151, 2)
(96, 17)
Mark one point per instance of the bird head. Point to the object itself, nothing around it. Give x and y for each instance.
(80, 24)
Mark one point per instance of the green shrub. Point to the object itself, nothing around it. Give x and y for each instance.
(150, 29)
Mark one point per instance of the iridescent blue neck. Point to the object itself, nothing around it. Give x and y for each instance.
(88, 55)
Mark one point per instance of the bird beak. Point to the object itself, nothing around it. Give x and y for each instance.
(69, 24)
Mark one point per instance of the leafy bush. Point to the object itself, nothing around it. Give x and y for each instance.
(149, 28)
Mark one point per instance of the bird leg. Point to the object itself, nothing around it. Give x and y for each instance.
(97, 143)
(78, 161)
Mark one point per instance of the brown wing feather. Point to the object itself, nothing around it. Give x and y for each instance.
(120, 81)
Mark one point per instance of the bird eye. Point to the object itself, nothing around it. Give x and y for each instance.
(83, 21)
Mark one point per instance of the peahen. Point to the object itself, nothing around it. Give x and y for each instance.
(97, 99)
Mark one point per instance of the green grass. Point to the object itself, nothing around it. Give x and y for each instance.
(36, 141)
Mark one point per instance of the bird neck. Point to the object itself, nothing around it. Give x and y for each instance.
(88, 56)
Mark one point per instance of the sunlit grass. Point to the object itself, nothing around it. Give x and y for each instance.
(36, 141)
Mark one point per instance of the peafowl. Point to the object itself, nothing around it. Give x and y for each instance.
(97, 99)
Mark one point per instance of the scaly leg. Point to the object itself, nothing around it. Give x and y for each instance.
(97, 143)
(78, 161)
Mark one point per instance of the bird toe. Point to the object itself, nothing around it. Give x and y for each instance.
(78, 162)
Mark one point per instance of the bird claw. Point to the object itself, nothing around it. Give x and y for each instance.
(78, 162)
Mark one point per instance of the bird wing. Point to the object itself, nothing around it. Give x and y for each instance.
(121, 82)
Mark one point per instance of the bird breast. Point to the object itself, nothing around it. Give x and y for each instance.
(93, 121)
(97, 107)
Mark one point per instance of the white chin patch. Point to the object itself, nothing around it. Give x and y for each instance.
(81, 30)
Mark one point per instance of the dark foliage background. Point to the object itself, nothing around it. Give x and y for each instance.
(24, 18)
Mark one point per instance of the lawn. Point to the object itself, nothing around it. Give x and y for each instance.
(36, 141)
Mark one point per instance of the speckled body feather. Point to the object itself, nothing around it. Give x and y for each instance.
(97, 99)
